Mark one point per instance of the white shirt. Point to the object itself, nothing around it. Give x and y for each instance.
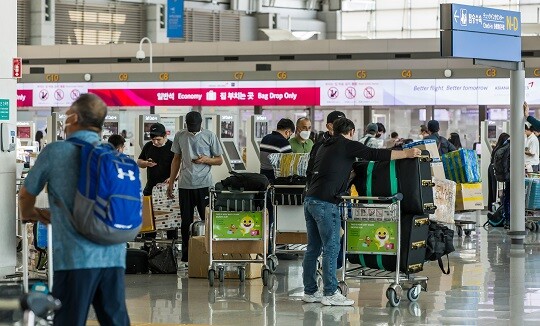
(371, 141)
(532, 143)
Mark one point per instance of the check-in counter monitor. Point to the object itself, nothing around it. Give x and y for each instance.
(110, 126)
(256, 129)
(227, 133)
(145, 122)
(25, 132)
(489, 134)
(55, 127)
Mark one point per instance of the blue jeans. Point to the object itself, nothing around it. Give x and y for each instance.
(323, 230)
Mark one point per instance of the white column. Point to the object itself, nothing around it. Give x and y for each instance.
(8, 91)
(156, 15)
(517, 159)
(42, 24)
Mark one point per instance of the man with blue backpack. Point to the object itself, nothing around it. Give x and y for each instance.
(95, 207)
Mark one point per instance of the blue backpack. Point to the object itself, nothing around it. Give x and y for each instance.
(108, 203)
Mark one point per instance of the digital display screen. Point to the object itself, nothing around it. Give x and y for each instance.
(230, 148)
(478, 148)
(24, 132)
(147, 126)
(109, 128)
(227, 129)
(492, 132)
(261, 129)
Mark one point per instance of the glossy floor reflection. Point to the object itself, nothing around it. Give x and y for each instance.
(487, 286)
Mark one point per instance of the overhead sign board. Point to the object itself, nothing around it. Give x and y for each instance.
(480, 33)
(175, 18)
(481, 20)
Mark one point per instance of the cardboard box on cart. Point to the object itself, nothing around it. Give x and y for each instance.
(469, 196)
(426, 145)
(199, 261)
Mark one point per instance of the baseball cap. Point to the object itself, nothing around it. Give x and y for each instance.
(157, 130)
(372, 127)
(433, 126)
(193, 121)
(334, 115)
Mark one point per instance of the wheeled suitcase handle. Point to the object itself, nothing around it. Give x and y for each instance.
(398, 197)
(425, 158)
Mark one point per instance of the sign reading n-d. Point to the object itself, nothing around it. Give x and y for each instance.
(480, 33)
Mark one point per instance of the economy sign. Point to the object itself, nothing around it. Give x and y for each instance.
(480, 33)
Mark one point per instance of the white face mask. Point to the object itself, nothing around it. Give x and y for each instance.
(304, 134)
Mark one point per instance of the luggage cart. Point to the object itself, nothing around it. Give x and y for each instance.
(288, 204)
(359, 211)
(532, 216)
(238, 216)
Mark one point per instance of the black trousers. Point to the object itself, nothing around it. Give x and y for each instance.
(188, 200)
(102, 288)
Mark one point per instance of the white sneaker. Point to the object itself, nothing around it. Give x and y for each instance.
(312, 298)
(337, 299)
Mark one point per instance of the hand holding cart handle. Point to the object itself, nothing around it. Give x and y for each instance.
(397, 197)
(38, 303)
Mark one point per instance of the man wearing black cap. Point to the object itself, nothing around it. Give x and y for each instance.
(370, 139)
(156, 157)
(195, 151)
(443, 144)
(332, 116)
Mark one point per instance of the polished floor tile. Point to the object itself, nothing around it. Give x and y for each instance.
(487, 286)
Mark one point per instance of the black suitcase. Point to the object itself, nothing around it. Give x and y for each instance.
(413, 178)
(136, 261)
(414, 232)
(236, 200)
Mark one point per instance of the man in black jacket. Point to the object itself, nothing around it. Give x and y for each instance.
(330, 175)
(332, 116)
(443, 144)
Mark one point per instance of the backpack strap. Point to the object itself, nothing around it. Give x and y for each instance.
(441, 265)
(368, 138)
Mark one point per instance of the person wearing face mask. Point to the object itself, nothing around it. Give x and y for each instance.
(118, 142)
(276, 142)
(195, 150)
(332, 166)
(85, 273)
(332, 116)
(301, 143)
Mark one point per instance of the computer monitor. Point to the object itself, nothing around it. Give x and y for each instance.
(261, 129)
(227, 129)
(492, 132)
(24, 132)
(109, 128)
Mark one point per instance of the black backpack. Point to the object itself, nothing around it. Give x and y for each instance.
(501, 162)
(439, 243)
(246, 181)
(497, 219)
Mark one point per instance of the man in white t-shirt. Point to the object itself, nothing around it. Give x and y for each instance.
(369, 138)
(532, 149)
